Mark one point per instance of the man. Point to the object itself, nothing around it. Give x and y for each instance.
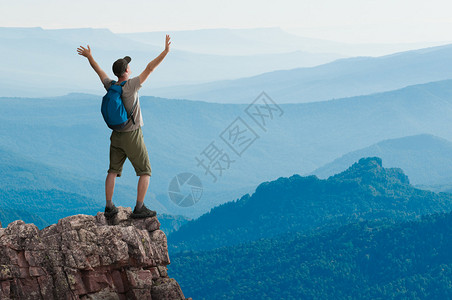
(127, 142)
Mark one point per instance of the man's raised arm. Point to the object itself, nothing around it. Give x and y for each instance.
(154, 63)
(86, 52)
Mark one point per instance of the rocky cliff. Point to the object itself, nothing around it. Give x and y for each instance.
(86, 257)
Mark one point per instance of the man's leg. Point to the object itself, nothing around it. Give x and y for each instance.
(141, 211)
(117, 159)
(110, 188)
(138, 156)
(110, 208)
(143, 184)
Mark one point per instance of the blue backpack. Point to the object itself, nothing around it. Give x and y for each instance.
(113, 110)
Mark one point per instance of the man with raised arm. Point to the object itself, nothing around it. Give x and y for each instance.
(127, 142)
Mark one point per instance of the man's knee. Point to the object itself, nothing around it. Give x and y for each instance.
(144, 173)
(144, 176)
(112, 175)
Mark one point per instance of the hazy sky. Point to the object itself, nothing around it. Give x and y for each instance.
(346, 20)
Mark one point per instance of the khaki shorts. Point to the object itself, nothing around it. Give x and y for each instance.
(129, 145)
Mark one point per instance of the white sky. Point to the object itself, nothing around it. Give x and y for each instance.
(346, 20)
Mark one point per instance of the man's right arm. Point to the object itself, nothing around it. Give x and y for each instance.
(154, 63)
(86, 52)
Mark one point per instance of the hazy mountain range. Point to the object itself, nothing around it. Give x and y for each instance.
(44, 62)
(267, 226)
(68, 134)
(341, 78)
(226, 41)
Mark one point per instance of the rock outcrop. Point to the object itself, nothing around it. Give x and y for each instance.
(86, 257)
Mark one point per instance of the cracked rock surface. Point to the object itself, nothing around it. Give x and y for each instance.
(86, 257)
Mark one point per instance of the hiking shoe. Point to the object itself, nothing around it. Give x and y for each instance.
(143, 212)
(110, 212)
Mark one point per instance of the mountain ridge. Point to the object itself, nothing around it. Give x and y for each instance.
(341, 78)
(365, 191)
(30, 52)
(424, 157)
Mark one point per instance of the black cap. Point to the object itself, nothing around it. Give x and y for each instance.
(120, 66)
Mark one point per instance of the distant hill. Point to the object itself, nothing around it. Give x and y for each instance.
(365, 260)
(38, 193)
(35, 57)
(425, 158)
(365, 191)
(8, 215)
(18, 171)
(341, 78)
(170, 223)
(44, 206)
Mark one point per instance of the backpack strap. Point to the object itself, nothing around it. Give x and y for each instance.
(133, 110)
(134, 104)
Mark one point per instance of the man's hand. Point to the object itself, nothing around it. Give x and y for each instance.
(84, 52)
(167, 43)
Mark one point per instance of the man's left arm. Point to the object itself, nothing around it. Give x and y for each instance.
(86, 52)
